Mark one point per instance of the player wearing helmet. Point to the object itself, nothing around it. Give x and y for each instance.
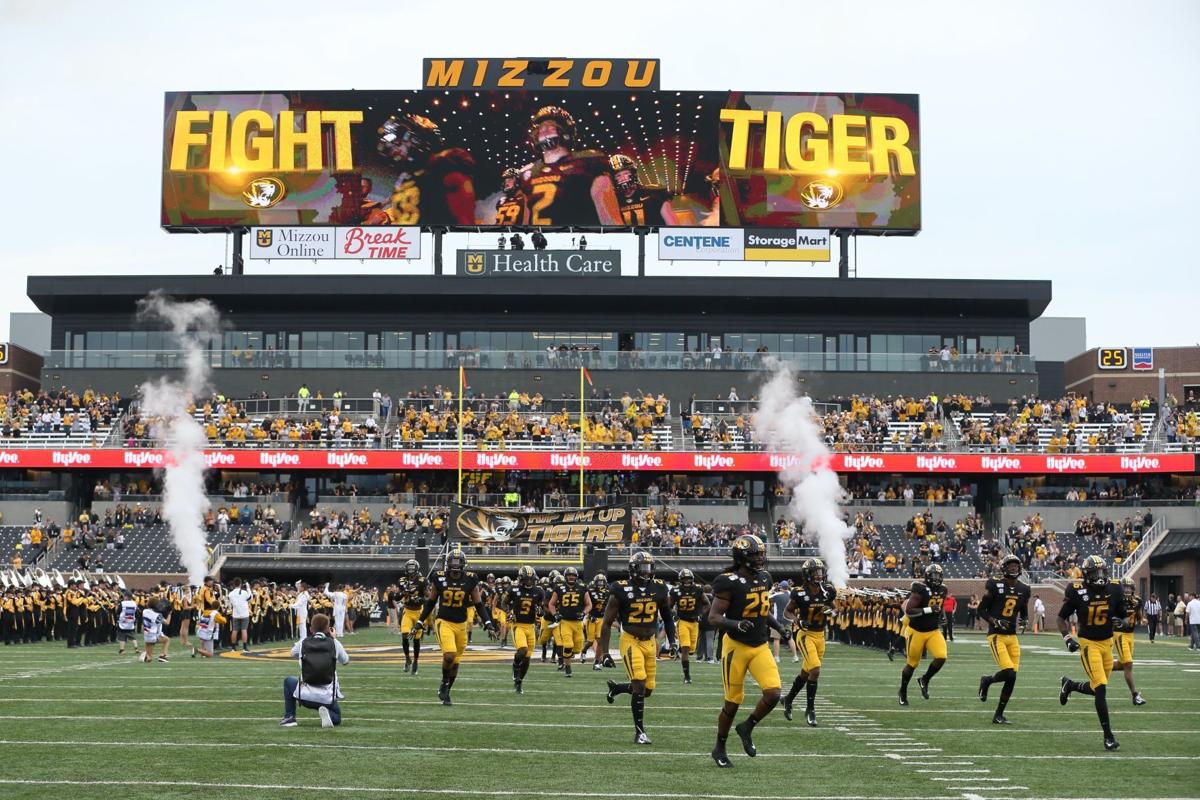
(434, 186)
(741, 611)
(568, 605)
(513, 206)
(689, 603)
(523, 602)
(1005, 603)
(641, 205)
(453, 591)
(499, 614)
(598, 592)
(1098, 606)
(1123, 639)
(567, 186)
(923, 609)
(413, 589)
(810, 608)
(638, 602)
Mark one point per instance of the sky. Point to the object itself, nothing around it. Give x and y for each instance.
(1058, 138)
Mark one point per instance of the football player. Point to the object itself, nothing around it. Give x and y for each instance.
(689, 603)
(547, 626)
(640, 205)
(413, 589)
(923, 609)
(1005, 602)
(522, 602)
(1123, 639)
(567, 186)
(741, 611)
(513, 207)
(1099, 608)
(567, 606)
(453, 591)
(499, 615)
(810, 608)
(434, 186)
(598, 592)
(638, 602)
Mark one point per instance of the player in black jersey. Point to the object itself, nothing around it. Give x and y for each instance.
(641, 205)
(1005, 602)
(434, 186)
(689, 603)
(1098, 606)
(522, 603)
(810, 607)
(568, 605)
(413, 589)
(923, 608)
(513, 207)
(567, 186)
(453, 591)
(638, 602)
(1123, 640)
(741, 611)
(598, 592)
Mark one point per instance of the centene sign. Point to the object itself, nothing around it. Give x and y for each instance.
(701, 244)
(610, 461)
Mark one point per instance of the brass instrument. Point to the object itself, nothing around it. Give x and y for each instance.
(60, 580)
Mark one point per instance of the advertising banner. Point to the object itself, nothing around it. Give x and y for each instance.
(538, 158)
(551, 74)
(779, 244)
(595, 525)
(702, 244)
(365, 244)
(541, 263)
(609, 461)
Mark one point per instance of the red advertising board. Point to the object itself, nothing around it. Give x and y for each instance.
(608, 461)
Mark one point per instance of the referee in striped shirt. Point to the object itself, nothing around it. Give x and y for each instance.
(1152, 610)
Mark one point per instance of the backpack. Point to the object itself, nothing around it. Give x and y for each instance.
(318, 660)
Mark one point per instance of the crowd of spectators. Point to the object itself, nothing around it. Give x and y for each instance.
(56, 411)
(1022, 425)
(359, 526)
(905, 493)
(668, 528)
(1061, 552)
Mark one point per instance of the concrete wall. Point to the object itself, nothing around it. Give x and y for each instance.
(1063, 518)
(283, 511)
(20, 512)
(677, 384)
(899, 515)
(700, 512)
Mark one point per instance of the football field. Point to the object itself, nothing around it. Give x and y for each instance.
(89, 724)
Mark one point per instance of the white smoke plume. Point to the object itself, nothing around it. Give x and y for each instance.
(165, 404)
(787, 424)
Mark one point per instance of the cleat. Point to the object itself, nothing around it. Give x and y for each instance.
(1138, 700)
(193, 652)
(641, 738)
(407, 666)
(288, 722)
(1111, 744)
(609, 663)
(611, 697)
(568, 674)
(414, 669)
(164, 659)
(596, 667)
(745, 732)
(891, 655)
(984, 683)
(517, 687)
(444, 695)
(722, 759)
(923, 685)
(1000, 719)
(903, 695)
(1064, 690)
(326, 720)
(810, 717)
(787, 707)
(687, 681)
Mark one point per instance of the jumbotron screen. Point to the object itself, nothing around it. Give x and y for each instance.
(542, 159)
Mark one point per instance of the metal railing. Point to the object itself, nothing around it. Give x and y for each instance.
(539, 359)
(1123, 502)
(1145, 548)
(415, 499)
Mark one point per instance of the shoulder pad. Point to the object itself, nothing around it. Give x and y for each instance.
(441, 573)
(596, 161)
(918, 586)
(454, 159)
(470, 575)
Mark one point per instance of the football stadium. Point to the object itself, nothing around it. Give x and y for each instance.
(540, 435)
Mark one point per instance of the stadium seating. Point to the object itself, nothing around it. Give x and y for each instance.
(57, 418)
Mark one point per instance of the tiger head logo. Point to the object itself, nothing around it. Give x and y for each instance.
(481, 526)
(263, 192)
(821, 194)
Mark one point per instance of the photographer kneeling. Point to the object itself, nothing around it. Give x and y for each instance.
(316, 687)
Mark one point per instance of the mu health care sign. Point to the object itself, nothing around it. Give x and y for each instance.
(737, 244)
(539, 263)
(358, 242)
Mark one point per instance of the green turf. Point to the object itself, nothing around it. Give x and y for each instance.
(86, 724)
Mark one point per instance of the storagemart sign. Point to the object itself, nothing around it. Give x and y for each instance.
(539, 263)
(609, 461)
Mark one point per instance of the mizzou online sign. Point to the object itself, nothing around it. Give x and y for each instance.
(608, 461)
(595, 525)
(357, 242)
(539, 263)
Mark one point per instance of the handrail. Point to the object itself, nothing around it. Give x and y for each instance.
(1145, 548)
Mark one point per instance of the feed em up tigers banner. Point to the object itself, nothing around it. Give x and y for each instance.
(541, 159)
(595, 525)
